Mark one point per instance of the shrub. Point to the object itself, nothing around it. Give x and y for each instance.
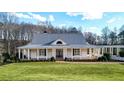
(6, 58)
(1, 59)
(99, 59)
(102, 58)
(107, 55)
(6, 55)
(49, 59)
(121, 53)
(66, 59)
(52, 59)
(14, 59)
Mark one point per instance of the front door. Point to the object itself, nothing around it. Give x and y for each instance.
(59, 53)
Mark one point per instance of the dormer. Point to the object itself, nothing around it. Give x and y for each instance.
(58, 42)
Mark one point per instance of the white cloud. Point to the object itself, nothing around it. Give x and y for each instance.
(87, 15)
(112, 20)
(21, 15)
(74, 13)
(37, 17)
(30, 16)
(92, 15)
(51, 18)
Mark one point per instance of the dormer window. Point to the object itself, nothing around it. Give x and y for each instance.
(59, 42)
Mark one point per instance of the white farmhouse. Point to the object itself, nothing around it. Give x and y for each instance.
(64, 45)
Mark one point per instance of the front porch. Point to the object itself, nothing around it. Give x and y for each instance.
(62, 53)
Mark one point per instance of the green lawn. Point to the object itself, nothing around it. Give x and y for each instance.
(61, 71)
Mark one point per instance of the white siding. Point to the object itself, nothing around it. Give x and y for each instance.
(69, 53)
(54, 53)
(49, 53)
(64, 53)
(33, 53)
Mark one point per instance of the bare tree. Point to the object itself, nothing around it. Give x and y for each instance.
(1, 30)
(26, 31)
(8, 20)
(99, 40)
(113, 37)
(105, 35)
(90, 37)
(121, 35)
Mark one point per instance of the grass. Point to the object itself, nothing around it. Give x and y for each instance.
(61, 71)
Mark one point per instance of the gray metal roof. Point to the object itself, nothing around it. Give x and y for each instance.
(68, 38)
(72, 40)
(56, 46)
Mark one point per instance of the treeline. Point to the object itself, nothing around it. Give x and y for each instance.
(108, 37)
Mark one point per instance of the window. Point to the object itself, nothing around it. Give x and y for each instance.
(88, 51)
(114, 51)
(108, 50)
(42, 52)
(59, 42)
(76, 52)
(100, 50)
(92, 50)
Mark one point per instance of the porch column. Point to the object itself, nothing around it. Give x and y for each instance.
(37, 54)
(72, 53)
(28, 54)
(80, 54)
(23, 53)
(104, 50)
(111, 51)
(118, 51)
(19, 53)
(53, 52)
(98, 51)
(64, 53)
(90, 52)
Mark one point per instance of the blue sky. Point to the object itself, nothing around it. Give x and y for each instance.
(89, 21)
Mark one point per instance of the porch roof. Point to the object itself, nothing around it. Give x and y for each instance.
(70, 46)
(110, 46)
